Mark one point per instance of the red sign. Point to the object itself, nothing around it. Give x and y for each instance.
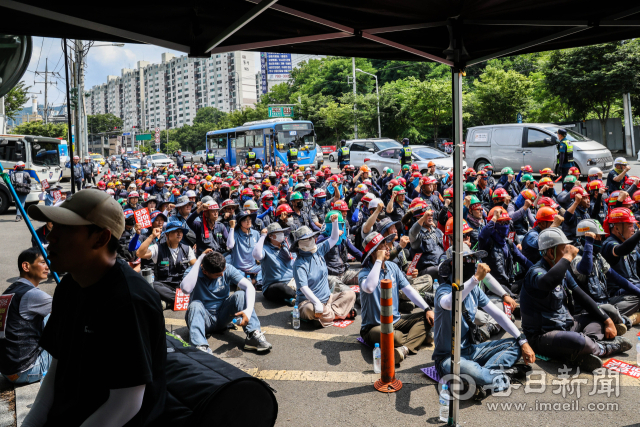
(512, 235)
(5, 303)
(355, 288)
(57, 195)
(328, 149)
(45, 184)
(182, 301)
(342, 323)
(413, 264)
(622, 367)
(507, 309)
(142, 217)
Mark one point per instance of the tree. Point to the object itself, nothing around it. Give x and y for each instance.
(148, 148)
(171, 147)
(52, 130)
(338, 118)
(500, 95)
(102, 123)
(429, 102)
(15, 99)
(209, 115)
(592, 79)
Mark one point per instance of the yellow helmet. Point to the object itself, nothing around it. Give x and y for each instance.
(110, 185)
(256, 166)
(118, 183)
(139, 170)
(208, 178)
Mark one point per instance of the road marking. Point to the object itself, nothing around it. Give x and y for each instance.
(337, 377)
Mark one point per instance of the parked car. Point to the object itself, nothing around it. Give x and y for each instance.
(534, 144)
(361, 148)
(421, 155)
(159, 160)
(439, 143)
(200, 156)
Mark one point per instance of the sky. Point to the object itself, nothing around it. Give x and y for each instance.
(101, 62)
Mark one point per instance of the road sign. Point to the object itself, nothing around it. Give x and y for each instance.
(157, 135)
(143, 137)
(281, 111)
(519, 118)
(126, 134)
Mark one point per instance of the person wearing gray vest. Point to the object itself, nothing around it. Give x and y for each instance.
(22, 360)
(21, 182)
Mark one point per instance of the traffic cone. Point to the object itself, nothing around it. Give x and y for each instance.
(388, 383)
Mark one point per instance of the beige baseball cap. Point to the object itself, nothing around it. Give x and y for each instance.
(86, 207)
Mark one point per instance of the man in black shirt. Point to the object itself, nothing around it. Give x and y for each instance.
(106, 331)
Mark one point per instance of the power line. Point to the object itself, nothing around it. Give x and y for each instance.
(39, 55)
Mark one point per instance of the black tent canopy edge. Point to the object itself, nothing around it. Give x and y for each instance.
(378, 29)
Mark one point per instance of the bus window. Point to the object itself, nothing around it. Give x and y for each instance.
(303, 137)
(9, 152)
(45, 153)
(248, 141)
(259, 141)
(240, 141)
(220, 141)
(232, 141)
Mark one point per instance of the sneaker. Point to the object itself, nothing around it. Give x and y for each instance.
(518, 372)
(205, 348)
(635, 318)
(400, 354)
(256, 341)
(480, 393)
(589, 363)
(621, 329)
(18, 218)
(615, 346)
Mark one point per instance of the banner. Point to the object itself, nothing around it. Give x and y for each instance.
(182, 301)
(278, 66)
(45, 184)
(57, 195)
(413, 264)
(142, 217)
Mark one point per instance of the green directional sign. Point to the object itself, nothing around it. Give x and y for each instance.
(280, 111)
(143, 137)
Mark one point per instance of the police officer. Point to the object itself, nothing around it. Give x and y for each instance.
(126, 164)
(77, 173)
(292, 155)
(21, 182)
(405, 153)
(565, 153)
(547, 323)
(343, 154)
(250, 158)
(88, 168)
(211, 158)
(171, 259)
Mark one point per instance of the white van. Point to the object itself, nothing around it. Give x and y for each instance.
(534, 144)
(42, 160)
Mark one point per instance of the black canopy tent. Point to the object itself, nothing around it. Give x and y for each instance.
(455, 33)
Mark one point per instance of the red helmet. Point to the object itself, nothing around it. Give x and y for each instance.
(152, 182)
(503, 214)
(102, 185)
(415, 167)
(394, 182)
(416, 175)
(247, 192)
(528, 169)
(546, 214)
(218, 180)
(574, 171)
(283, 208)
(621, 215)
(273, 189)
(470, 172)
(578, 190)
(402, 182)
(636, 196)
(448, 193)
(547, 202)
(225, 185)
(418, 206)
(193, 181)
(500, 193)
(235, 183)
(341, 205)
(596, 184)
(284, 181)
(448, 229)
(175, 192)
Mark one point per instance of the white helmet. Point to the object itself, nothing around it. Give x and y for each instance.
(620, 161)
(20, 165)
(266, 193)
(551, 237)
(594, 171)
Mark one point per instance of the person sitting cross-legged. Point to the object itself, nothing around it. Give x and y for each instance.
(212, 307)
(490, 364)
(409, 330)
(272, 251)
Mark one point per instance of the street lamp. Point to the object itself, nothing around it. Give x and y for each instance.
(378, 95)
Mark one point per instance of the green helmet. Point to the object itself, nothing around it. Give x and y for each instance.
(570, 179)
(399, 189)
(474, 200)
(217, 174)
(506, 171)
(171, 176)
(296, 196)
(527, 178)
(470, 187)
(406, 167)
(388, 170)
(327, 218)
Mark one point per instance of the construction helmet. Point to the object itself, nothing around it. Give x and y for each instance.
(589, 225)
(551, 237)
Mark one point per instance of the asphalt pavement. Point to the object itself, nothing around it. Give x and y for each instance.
(325, 376)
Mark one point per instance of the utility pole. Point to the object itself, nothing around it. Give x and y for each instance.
(355, 117)
(45, 112)
(81, 135)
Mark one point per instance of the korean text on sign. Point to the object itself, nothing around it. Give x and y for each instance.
(142, 217)
(182, 301)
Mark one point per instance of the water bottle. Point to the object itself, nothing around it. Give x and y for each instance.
(435, 286)
(237, 320)
(638, 352)
(444, 403)
(45, 373)
(377, 359)
(296, 318)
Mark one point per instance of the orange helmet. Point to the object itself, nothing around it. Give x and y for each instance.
(283, 208)
(547, 171)
(448, 229)
(503, 214)
(529, 194)
(596, 184)
(545, 181)
(470, 172)
(636, 196)
(365, 168)
(546, 214)
(208, 186)
(418, 206)
(430, 164)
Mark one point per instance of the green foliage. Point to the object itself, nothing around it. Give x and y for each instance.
(15, 99)
(171, 147)
(148, 148)
(52, 130)
(100, 123)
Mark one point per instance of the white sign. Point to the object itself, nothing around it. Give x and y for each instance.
(157, 136)
(481, 137)
(293, 132)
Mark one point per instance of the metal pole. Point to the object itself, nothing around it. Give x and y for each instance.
(355, 117)
(457, 285)
(633, 140)
(388, 383)
(46, 87)
(627, 127)
(378, 95)
(70, 141)
(19, 207)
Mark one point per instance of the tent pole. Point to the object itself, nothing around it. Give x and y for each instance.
(457, 285)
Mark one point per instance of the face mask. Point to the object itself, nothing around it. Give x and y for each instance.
(289, 221)
(468, 270)
(321, 200)
(268, 202)
(278, 237)
(489, 172)
(298, 204)
(502, 230)
(308, 245)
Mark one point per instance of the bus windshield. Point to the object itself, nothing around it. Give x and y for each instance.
(45, 153)
(300, 134)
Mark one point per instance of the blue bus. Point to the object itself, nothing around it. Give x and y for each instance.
(270, 140)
